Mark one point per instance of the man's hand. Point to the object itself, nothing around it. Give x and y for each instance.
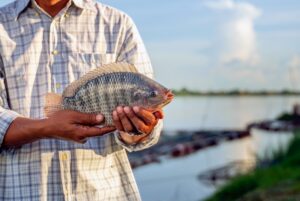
(75, 126)
(135, 119)
(67, 125)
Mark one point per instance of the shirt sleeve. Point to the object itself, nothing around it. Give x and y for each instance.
(134, 52)
(151, 140)
(6, 115)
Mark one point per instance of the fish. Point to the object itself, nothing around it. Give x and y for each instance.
(103, 89)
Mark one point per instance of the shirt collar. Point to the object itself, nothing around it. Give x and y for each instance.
(83, 4)
(21, 5)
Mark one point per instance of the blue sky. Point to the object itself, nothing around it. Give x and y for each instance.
(220, 44)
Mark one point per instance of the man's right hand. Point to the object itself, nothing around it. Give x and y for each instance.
(65, 124)
(75, 126)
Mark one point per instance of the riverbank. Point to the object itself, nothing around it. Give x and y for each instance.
(187, 92)
(275, 179)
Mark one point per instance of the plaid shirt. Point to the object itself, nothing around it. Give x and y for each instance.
(40, 54)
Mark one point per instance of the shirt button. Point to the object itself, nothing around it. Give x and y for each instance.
(54, 52)
(58, 85)
(64, 157)
(37, 14)
(67, 15)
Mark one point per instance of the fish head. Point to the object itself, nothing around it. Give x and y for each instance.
(153, 95)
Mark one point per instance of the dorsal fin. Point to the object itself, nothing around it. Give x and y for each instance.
(105, 69)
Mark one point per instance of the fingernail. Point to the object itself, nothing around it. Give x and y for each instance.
(99, 117)
(120, 109)
(127, 110)
(115, 116)
(136, 109)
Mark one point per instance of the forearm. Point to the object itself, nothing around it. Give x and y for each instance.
(63, 125)
(23, 131)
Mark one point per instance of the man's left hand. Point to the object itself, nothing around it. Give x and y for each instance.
(130, 120)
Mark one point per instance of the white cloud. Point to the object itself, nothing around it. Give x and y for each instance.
(295, 62)
(238, 37)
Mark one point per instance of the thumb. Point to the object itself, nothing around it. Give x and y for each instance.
(96, 131)
(89, 119)
(159, 114)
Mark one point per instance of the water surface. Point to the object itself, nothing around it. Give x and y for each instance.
(176, 179)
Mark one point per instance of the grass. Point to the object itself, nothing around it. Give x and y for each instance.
(279, 180)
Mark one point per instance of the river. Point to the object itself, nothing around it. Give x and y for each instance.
(176, 179)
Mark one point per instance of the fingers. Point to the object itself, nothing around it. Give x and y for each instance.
(87, 119)
(117, 121)
(123, 119)
(159, 114)
(129, 139)
(138, 123)
(95, 131)
(84, 132)
(148, 117)
(128, 120)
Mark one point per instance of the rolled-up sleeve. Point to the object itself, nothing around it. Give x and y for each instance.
(134, 52)
(6, 115)
(151, 140)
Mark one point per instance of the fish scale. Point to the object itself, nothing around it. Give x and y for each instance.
(103, 89)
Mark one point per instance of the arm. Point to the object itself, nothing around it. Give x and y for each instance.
(127, 119)
(7, 116)
(65, 125)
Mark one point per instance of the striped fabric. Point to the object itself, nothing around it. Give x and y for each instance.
(40, 54)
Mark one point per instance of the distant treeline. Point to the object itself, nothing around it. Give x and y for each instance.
(187, 92)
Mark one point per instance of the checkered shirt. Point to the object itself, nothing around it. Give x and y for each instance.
(41, 54)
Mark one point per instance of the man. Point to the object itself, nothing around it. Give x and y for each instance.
(44, 46)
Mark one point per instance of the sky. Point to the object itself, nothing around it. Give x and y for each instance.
(219, 44)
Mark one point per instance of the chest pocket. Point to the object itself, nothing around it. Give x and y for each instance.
(85, 62)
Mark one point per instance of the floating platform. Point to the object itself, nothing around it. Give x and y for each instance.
(181, 143)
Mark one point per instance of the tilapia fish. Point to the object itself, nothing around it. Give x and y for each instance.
(101, 90)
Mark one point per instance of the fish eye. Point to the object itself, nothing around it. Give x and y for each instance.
(153, 94)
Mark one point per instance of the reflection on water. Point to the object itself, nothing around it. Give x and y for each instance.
(176, 179)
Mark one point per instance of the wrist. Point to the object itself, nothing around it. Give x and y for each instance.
(22, 131)
(42, 129)
(32, 128)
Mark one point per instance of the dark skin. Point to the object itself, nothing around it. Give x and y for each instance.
(52, 7)
(75, 126)
(127, 119)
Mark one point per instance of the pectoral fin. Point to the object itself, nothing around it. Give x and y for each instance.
(53, 103)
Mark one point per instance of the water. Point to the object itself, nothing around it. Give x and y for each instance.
(224, 112)
(176, 179)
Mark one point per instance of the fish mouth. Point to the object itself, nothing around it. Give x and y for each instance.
(168, 98)
(169, 95)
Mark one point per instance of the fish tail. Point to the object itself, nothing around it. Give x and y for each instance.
(53, 103)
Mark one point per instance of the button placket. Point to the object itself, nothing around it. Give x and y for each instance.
(53, 51)
(66, 15)
(65, 171)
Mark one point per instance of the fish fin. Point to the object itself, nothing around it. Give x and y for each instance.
(53, 103)
(105, 69)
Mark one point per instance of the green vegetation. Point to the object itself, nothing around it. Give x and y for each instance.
(187, 92)
(289, 117)
(277, 181)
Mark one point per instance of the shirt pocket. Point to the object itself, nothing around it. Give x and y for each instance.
(17, 83)
(16, 77)
(85, 62)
